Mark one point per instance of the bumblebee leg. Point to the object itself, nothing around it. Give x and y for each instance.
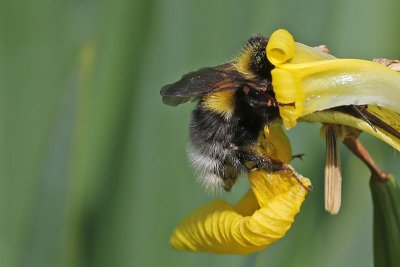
(364, 116)
(252, 162)
(298, 156)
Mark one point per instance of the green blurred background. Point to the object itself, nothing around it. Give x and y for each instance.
(92, 164)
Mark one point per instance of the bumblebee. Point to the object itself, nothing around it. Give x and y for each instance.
(234, 102)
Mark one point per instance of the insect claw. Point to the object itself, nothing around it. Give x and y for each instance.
(298, 156)
(292, 104)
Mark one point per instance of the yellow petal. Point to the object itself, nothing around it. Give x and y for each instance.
(390, 118)
(260, 218)
(307, 81)
(274, 143)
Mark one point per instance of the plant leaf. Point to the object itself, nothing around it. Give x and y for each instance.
(386, 202)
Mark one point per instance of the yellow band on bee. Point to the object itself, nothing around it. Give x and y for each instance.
(221, 102)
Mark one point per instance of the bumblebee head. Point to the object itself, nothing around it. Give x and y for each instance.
(253, 59)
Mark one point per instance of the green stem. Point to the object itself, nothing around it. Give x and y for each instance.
(359, 150)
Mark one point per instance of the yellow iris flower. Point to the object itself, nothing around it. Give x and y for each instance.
(307, 83)
(307, 80)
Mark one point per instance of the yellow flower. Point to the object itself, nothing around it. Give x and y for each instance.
(308, 86)
(307, 80)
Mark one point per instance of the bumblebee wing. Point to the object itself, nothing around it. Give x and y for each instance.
(195, 84)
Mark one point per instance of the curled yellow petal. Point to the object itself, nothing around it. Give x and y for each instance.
(280, 47)
(310, 81)
(260, 218)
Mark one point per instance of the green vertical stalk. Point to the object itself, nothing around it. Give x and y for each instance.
(386, 229)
